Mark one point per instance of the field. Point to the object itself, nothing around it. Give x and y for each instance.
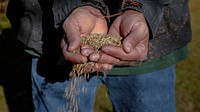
(15, 88)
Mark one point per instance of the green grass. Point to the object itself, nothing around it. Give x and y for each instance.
(4, 23)
(102, 103)
(188, 71)
(187, 80)
(3, 106)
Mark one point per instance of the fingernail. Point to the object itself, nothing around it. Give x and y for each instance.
(71, 46)
(94, 57)
(85, 53)
(82, 61)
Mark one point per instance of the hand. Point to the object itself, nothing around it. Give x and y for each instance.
(82, 21)
(133, 27)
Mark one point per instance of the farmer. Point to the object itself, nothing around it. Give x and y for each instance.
(140, 75)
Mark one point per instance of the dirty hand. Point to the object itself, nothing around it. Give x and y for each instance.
(133, 27)
(82, 21)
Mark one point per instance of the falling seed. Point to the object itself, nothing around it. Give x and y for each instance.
(95, 41)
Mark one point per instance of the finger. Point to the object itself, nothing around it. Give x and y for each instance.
(141, 50)
(86, 50)
(136, 34)
(106, 67)
(118, 53)
(94, 57)
(113, 61)
(97, 67)
(89, 68)
(102, 67)
(74, 57)
(139, 53)
(63, 43)
(85, 46)
(107, 59)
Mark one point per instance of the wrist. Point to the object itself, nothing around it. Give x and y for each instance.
(90, 9)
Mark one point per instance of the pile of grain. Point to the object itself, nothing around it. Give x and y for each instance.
(95, 41)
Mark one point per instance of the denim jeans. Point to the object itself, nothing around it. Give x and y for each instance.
(149, 92)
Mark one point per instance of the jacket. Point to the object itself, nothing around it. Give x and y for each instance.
(168, 20)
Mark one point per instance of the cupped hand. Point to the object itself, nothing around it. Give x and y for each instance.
(133, 27)
(82, 21)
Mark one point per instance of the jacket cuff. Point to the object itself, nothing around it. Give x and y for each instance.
(152, 10)
(63, 8)
(99, 4)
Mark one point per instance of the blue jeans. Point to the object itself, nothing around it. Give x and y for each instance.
(150, 92)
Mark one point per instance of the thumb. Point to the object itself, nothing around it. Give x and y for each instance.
(73, 41)
(130, 42)
(72, 35)
(115, 28)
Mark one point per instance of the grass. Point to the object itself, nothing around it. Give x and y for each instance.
(187, 80)
(188, 72)
(102, 103)
(4, 24)
(3, 106)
